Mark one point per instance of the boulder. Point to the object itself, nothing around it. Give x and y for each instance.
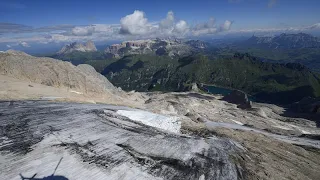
(307, 105)
(238, 97)
(194, 87)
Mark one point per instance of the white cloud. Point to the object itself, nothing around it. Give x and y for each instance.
(181, 27)
(105, 28)
(8, 46)
(83, 31)
(205, 28)
(314, 26)
(24, 44)
(210, 27)
(168, 22)
(135, 24)
(227, 25)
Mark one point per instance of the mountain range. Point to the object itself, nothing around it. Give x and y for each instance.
(284, 41)
(171, 47)
(77, 47)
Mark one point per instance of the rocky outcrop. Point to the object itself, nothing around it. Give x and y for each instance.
(240, 98)
(73, 47)
(52, 72)
(307, 105)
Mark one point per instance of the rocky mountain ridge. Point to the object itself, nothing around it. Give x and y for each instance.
(75, 46)
(172, 47)
(53, 72)
(288, 41)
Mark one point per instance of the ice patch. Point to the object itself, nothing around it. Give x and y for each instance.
(168, 123)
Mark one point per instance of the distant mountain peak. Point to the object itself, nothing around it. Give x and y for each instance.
(168, 46)
(75, 46)
(285, 40)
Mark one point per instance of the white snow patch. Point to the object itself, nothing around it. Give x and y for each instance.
(238, 122)
(305, 132)
(76, 92)
(283, 127)
(202, 177)
(168, 123)
(300, 129)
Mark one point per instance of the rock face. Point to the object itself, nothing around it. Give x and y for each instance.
(52, 72)
(288, 41)
(171, 47)
(73, 47)
(240, 98)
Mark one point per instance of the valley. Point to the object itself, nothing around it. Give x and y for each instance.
(143, 115)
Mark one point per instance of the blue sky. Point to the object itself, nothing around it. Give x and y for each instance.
(71, 20)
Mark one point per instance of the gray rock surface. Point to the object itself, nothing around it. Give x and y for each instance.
(52, 72)
(95, 142)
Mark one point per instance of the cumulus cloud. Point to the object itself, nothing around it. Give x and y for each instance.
(227, 25)
(135, 24)
(83, 31)
(132, 26)
(205, 28)
(181, 27)
(24, 44)
(210, 27)
(168, 22)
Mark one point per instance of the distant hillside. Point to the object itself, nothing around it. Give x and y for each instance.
(277, 83)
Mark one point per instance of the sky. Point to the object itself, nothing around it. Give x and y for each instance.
(25, 22)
